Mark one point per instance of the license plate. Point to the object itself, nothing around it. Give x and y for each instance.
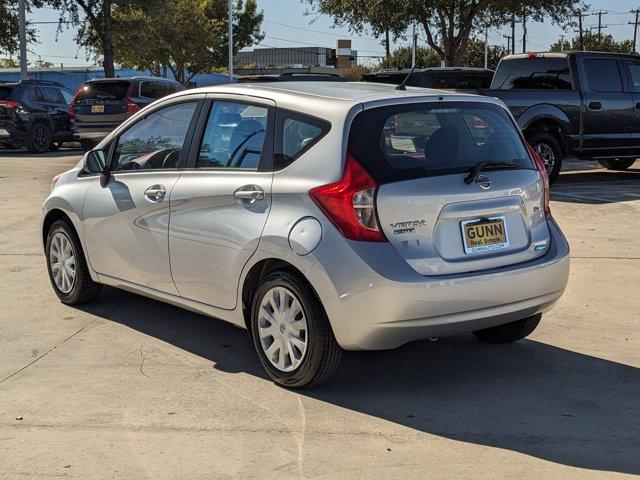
(484, 235)
(97, 108)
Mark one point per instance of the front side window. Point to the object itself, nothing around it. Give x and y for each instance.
(234, 136)
(421, 141)
(156, 141)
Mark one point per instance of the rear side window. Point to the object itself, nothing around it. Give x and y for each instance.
(104, 91)
(5, 93)
(536, 73)
(413, 141)
(296, 134)
(603, 75)
(51, 95)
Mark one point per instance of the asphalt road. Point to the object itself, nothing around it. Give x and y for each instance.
(131, 388)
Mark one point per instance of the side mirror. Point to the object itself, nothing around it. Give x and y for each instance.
(95, 161)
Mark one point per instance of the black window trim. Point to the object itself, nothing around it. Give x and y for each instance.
(186, 145)
(266, 157)
(282, 115)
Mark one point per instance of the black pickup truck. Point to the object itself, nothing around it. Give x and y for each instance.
(585, 104)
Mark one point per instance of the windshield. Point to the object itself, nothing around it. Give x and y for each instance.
(413, 141)
(103, 91)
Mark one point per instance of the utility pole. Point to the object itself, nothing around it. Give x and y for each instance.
(524, 32)
(508, 37)
(22, 33)
(513, 33)
(600, 26)
(635, 28)
(230, 41)
(413, 46)
(580, 16)
(562, 42)
(387, 47)
(486, 47)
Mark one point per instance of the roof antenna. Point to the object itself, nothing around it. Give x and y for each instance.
(406, 79)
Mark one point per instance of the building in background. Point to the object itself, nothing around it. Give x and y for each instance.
(73, 77)
(298, 57)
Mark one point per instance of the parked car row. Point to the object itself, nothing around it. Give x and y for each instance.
(41, 115)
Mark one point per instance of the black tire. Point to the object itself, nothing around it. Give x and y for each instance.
(84, 289)
(87, 145)
(547, 146)
(618, 164)
(509, 332)
(39, 138)
(322, 352)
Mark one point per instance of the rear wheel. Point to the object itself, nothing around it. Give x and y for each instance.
(291, 332)
(39, 138)
(509, 332)
(67, 267)
(549, 151)
(617, 163)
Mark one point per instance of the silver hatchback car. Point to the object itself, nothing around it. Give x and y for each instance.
(319, 216)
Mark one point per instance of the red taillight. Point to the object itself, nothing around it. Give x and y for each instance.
(10, 104)
(74, 100)
(132, 107)
(545, 180)
(350, 203)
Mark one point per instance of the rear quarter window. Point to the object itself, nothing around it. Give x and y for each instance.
(413, 141)
(295, 135)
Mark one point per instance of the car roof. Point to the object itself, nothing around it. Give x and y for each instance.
(520, 56)
(129, 79)
(434, 69)
(320, 98)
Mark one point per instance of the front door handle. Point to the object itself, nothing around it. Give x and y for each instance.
(595, 106)
(250, 193)
(155, 193)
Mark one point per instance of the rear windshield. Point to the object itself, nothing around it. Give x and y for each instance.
(5, 93)
(104, 91)
(413, 141)
(538, 73)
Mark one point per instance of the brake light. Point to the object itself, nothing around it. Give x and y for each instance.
(545, 180)
(13, 106)
(74, 101)
(350, 203)
(132, 107)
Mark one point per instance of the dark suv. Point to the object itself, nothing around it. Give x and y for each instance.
(292, 77)
(34, 114)
(102, 104)
(441, 78)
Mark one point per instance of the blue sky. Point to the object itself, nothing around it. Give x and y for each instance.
(286, 25)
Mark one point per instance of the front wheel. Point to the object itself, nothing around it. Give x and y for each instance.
(67, 267)
(291, 332)
(617, 163)
(509, 332)
(547, 148)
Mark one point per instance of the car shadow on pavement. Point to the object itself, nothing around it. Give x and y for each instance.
(529, 397)
(597, 187)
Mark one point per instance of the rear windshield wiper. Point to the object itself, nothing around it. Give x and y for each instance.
(475, 171)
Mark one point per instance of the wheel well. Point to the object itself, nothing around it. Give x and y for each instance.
(255, 276)
(549, 126)
(52, 217)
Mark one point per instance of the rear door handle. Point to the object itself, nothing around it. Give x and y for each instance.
(250, 193)
(155, 193)
(595, 106)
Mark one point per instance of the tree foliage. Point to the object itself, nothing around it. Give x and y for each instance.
(9, 25)
(595, 43)
(473, 56)
(448, 24)
(186, 36)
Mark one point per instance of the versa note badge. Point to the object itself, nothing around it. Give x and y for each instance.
(483, 182)
(407, 227)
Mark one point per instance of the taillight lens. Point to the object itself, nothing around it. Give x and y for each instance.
(74, 101)
(132, 107)
(350, 203)
(545, 180)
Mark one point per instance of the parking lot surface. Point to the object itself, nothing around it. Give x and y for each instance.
(128, 387)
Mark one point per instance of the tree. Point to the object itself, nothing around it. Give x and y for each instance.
(9, 63)
(447, 23)
(9, 25)
(187, 36)
(473, 56)
(94, 19)
(595, 43)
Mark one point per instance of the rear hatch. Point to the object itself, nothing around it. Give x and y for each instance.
(421, 154)
(102, 103)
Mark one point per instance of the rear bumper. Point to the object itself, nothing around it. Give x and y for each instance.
(96, 133)
(377, 301)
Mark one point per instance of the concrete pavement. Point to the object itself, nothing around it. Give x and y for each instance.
(131, 388)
